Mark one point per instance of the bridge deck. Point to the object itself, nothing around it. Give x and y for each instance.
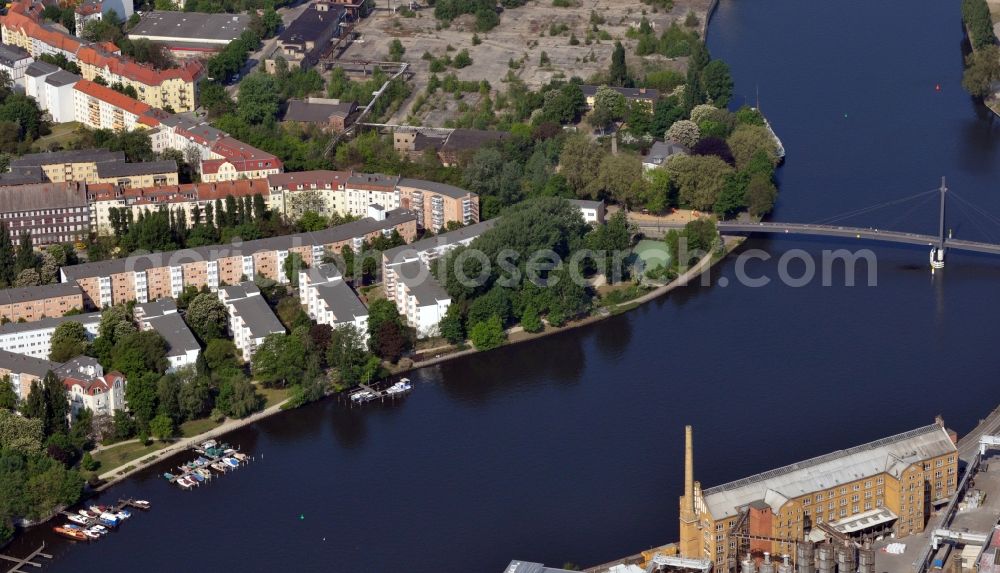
(834, 231)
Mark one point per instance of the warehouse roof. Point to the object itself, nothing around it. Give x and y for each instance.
(313, 111)
(190, 26)
(336, 234)
(889, 455)
(35, 196)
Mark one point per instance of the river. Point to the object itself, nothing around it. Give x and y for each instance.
(569, 448)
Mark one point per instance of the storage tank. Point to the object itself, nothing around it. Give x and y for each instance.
(767, 566)
(805, 559)
(826, 562)
(785, 566)
(749, 566)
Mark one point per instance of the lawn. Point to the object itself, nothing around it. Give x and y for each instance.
(195, 427)
(272, 396)
(63, 134)
(120, 455)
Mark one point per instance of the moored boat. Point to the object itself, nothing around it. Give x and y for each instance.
(78, 519)
(141, 504)
(71, 533)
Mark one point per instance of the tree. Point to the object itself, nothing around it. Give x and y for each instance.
(609, 106)
(976, 16)
(717, 83)
(701, 235)
(699, 179)
(346, 352)
(168, 392)
(68, 341)
(462, 59)
(732, 200)
(618, 73)
(530, 321)
(279, 359)
(207, 317)
(396, 50)
(613, 240)
(8, 397)
(24, 111)
(760, 196)
(47, 402)
(392, 341)
(7, 259)
(451, 325)
(293, 264)
(693, 94)
(619, 177)
(579, 161)
(21, 434)
(140, 395)
(221, 354)
(259, 99)
(238, 398)
(27, 278)
(196, 398)
(747, 140)
(982, 70)
(714, 146)
(488, 333)
(685, 132)
(26, 258)
(140, 353)
(162, 426)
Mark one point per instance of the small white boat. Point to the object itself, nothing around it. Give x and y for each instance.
(231, 461)
(79, 519)
(185, 483)
(87, 514)
(141, 504)
(91, 534)
(99, 528)
(401, 387)
(122, 516)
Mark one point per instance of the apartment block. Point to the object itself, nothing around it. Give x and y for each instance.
(437, 204)
(14, 61)
(251, 320)
(94, 166)
(232, 159)
(328, 299)
(35, 338)
(31, 304)
(157, 275)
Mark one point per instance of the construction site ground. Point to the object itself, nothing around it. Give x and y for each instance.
(521, 36)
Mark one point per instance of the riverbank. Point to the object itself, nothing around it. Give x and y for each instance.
(126, 470)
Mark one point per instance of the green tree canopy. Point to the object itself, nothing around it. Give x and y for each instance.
(69, 340)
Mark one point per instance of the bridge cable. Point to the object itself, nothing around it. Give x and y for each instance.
(992, 218)
(892, 222)
(856, 212)
(967, 209)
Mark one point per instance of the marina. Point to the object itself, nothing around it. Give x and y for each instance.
(96, 521)
(212, 455)
(26, 561)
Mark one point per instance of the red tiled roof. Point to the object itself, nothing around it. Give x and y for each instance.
(94, 386)
(242, 156)
(179, 193)
(112, 97)
(306, 179)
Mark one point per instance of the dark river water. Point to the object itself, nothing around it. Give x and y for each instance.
(569, 448)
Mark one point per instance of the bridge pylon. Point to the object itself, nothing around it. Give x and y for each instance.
(937, 251)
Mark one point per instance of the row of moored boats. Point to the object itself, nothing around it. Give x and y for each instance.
(368, 394)
(214, 456)
(96, 521)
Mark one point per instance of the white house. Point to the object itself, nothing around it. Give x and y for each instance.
(35, 338)
(14, 61)
(89, 387)
(592, 211)
(34, 80)
(250, 318)
(660, 152)
(162, 317)
(330, 300)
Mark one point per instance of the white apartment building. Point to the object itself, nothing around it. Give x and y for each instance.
(100, 107)
(420, 298)
(35, 338)
(328, 299)
(250, 318)
(162, 317)
(14, 61)
(34, 80)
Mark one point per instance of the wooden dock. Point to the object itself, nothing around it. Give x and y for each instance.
(122, 504)
(187, 471)
(20, 563)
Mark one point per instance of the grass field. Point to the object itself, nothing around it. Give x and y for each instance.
(63, 134)
(120, 455)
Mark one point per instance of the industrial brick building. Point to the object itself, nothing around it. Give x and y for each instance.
(49, 212)
(883, 487)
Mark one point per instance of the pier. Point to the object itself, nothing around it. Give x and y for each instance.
(369, 393)
(20, 563)
(210, 455)
(122, 504)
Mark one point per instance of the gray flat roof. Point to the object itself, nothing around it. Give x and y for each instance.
(421, 283)
(311, 24)
(67, 156)
(10, 55)
(585, 204)
(52, 322)
(62, 78)
(37, 68)
(241, 290)
(190, 26)
(409, 251)
(156, 308)
(313, 112)
(177, 334)
(323, 273)
(25, 294)
(23, 176)
(123, 169)
(258, 317)
(214, 252)
(441, 188)
(22, 364)
(342, 301)
(34, 196)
